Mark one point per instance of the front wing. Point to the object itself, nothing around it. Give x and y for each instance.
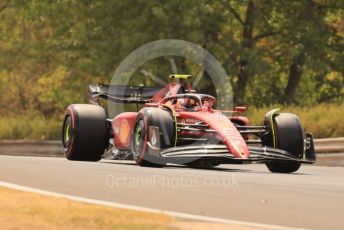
(258, 154)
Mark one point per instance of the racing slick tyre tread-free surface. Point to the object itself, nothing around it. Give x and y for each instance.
(157, 118)
(84, 132)
(288, 136)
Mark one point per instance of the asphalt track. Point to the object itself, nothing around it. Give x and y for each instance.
(311, 198)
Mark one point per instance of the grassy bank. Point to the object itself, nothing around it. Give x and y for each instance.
(30, 127)
(322, 120)
(326, 120)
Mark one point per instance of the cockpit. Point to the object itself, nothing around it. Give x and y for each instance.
(190, 102)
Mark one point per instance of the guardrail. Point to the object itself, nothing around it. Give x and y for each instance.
(54, 148)
(329, 145)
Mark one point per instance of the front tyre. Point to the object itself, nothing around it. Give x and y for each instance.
(163, 121)
(84, 132)
(286, 134)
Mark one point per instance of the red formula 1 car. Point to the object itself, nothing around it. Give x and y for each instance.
(177, 125)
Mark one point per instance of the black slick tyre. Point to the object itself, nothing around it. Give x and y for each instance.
(287, 135)
(160, 119)
(84, 132)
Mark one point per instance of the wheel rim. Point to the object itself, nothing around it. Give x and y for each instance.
(67, 134)
(139, 137)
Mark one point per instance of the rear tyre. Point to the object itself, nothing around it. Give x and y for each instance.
(288, 136)
(161, 119)
(84, 132)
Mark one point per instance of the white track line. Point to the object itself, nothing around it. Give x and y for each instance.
(143, 209)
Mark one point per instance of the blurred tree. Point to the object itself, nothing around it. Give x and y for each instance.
(275, 51)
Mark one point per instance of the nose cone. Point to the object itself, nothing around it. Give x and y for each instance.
(238, 148)
(230, 135)
(225, 129)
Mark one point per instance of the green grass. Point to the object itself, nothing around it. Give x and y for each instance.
(30, 127)
(326, 120)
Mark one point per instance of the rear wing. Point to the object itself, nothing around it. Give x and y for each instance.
(121, 94)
